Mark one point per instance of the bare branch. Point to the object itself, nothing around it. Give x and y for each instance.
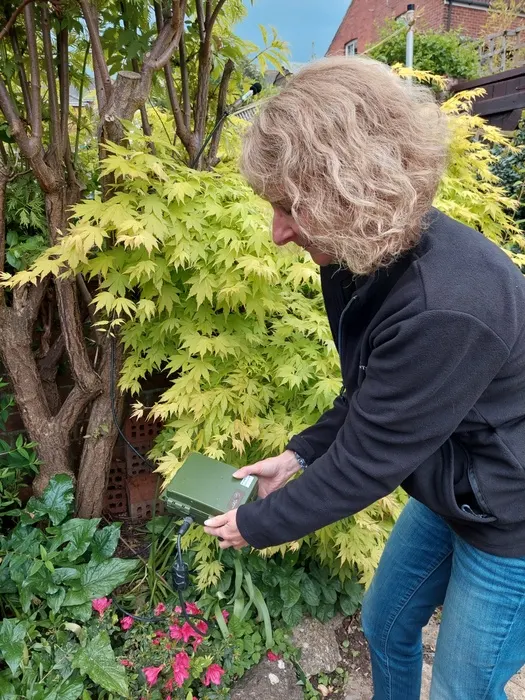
(102, 79)
(54, 125)
(80, 98)
(36, 105)
(200, 20)
(21, 71)
(186, 102)
(214, 15)
(165, 43)
(63, 79)
(221, 111)
(13, 17)
(208, 13)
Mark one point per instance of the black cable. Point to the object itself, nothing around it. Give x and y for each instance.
(180, 571)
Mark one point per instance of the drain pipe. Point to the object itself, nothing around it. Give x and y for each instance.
(411, 13)
(449, 15)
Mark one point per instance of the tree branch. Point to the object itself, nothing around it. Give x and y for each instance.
(13, 17)
(200, 21)
(36, 105)
(80, 98)
(165, 44)
(54, 122)
(215, 14)
(4, 179)
(221, 109)
(21, 71)
(63, 80)
(102, 79)
(186, 102)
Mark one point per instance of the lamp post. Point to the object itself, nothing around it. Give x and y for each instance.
(411, 15)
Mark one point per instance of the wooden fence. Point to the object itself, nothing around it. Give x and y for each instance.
(504, 99)
(503, 51)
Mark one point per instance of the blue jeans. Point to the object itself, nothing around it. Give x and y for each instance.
(481, 642)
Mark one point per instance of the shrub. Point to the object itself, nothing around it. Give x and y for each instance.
(441, 53)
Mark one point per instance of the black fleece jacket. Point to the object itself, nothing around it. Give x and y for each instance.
(432, 353)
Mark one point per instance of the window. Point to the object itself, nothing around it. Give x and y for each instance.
(351, 48)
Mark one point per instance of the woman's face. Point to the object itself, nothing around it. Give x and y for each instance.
(285, 230)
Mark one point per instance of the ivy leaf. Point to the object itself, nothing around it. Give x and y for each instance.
(311, 591)
(97, 660)
(54, 503)
(105, 542)
(99, 579)
(292, 616)
(12, 645)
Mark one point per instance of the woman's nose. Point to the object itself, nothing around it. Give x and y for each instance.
(282, 232)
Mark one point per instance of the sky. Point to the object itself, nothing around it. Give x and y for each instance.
(299, 22)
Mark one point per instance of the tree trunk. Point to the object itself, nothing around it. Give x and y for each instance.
(100, 439)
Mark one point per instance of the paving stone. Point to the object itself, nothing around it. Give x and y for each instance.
(318, 644)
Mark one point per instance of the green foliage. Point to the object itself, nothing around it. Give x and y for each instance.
(26, 227)
(510, 168)
(61, 567)
(441, 53)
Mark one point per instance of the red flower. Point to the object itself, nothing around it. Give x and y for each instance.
(152, 674)
(100, 605)
(125, 662)
(187, 632)
(192, 609)
(181, 667)
(272, 657)
(169, 685)
(175, 632)
(196, 643)
(127, 622)
(213, 675)
(159, 609)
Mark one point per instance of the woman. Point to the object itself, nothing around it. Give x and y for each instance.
(429, 320)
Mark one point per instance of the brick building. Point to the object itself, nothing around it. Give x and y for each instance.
(363, 19)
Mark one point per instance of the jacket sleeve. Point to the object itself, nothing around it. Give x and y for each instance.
(424, 374)
(315, 440)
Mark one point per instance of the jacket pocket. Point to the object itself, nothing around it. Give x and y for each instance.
(432, 484)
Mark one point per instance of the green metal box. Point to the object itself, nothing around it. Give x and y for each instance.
(204, 487)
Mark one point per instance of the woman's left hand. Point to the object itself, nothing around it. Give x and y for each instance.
(225, 528)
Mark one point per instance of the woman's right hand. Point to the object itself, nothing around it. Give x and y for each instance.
(273, 473)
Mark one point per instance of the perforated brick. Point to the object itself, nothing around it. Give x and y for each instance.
(140, 430)
(141, 491)
(136, 465)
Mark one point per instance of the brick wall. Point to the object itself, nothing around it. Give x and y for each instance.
(364, 18)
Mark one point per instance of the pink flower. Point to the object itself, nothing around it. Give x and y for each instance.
(225, 615)
(152, 674)
(202, 626)
(192, 609)
(272, 657)
(100, 605)
(125, 662)
(177, 609)
(181, 667)
(159, 609)
(187, 632)
(169, 685)
(127, 622)
(175, 632)
(196, 643)
(213, 675)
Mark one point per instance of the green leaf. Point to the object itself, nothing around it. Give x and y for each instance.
(348, 604)
(80, 612)
(12, 645)
(97, 660)
(329, 593)
(56, 599)
(79, 533)
(264, 614)
(7, 690)
(292, 616)
(311, 591)
(290, 591)
(70, 690)
(325, 612)
(54, 503)
(105, 542)
(98, 579)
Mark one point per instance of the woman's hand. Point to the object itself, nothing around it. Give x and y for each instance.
(273, 473)
(225, 528)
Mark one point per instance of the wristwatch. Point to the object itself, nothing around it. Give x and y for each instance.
(302, 461)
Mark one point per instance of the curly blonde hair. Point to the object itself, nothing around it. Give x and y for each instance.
(355, 153)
